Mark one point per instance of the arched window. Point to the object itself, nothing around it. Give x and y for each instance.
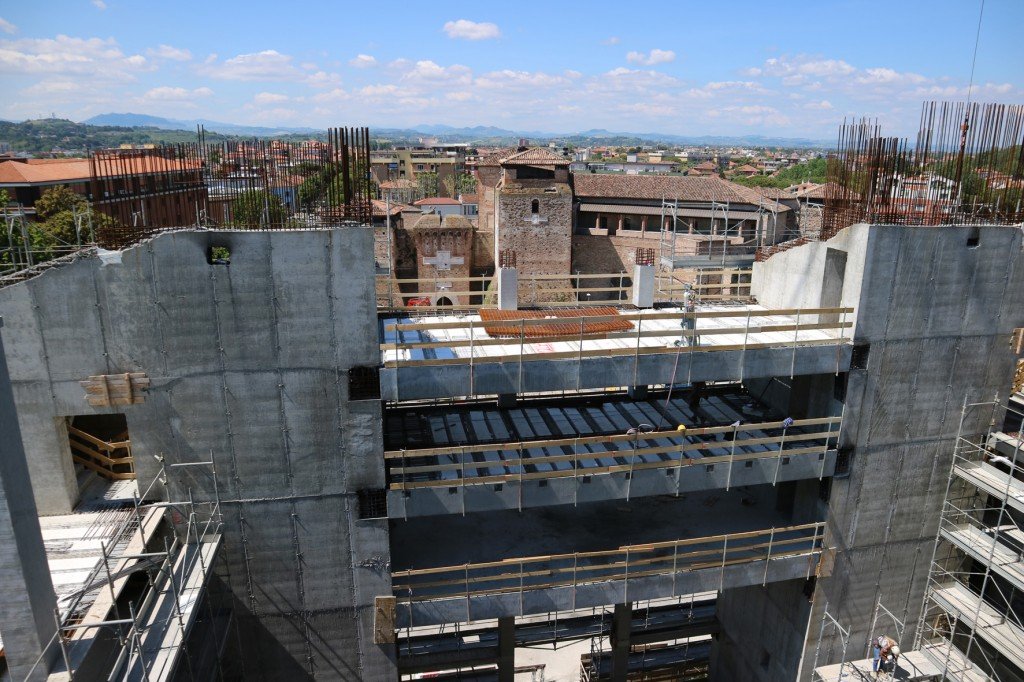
(535, 207)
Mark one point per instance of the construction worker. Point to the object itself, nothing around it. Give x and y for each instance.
(885, 648)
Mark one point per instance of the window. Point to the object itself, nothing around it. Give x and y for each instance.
(535, 207)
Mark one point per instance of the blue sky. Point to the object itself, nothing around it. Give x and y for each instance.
(776, 68)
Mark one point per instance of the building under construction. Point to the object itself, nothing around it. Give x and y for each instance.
(222, 459)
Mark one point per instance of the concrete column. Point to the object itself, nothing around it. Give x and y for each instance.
(508, 289)
(621, 622)
(506, 649)
(622, 222)
(27, 601)
(643, 225)
(643, 286)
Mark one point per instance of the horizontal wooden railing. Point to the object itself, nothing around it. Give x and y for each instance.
(478, 337)
(453, 466)
(112, 460)
(627, 562)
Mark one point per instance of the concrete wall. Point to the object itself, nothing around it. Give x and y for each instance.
(248, 364)
(756, 642)
(938, 316)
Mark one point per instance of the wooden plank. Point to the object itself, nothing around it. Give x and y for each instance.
(384, 620)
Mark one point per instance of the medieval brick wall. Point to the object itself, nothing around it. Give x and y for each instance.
(541, 248)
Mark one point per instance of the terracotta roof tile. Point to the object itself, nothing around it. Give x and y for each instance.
(535, 156)
(657, 187)
(52, 170)
(437, 201)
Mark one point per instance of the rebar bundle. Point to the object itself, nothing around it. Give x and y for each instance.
(966, 166)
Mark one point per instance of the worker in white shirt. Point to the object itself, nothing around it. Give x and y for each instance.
(689, 321)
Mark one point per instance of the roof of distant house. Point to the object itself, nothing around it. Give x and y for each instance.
(707, 165)
(535, 156)
(380, 208)
(39, 171)
(57, 171)
(658, 187)
(437, 201)
(746, 168)
(400, 183)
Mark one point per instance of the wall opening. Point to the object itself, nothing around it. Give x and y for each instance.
(535, 207)
(101, 451)
(219, 255)
(444, 301)
(373, 503)
(364, 383)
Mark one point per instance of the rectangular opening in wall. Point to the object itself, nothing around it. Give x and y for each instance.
(101, 451)
(973, 238)
(364, 383)
(373, 503)
(859, 356)
(218, 255)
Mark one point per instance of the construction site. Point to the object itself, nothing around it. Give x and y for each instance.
(233, 451)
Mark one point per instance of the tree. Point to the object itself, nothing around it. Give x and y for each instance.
(427, 183)
(258, 208)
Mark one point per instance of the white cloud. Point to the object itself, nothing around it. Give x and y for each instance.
(508, 78)
(823, 105)
(269, 98)
(268, 65)
(99, 4)
(889, 76)
(431, 72)
(611, 40)
(94, 58)
(651, 58)
(363, 61)
(471, 30)
(171, 94)
(7, 27)
(802, 66)
(168, 52)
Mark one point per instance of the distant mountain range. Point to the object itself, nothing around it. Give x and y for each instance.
(147, 121)
(477, 134)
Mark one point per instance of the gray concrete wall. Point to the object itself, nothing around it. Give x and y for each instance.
(937, 315)
(27, 601)
(248, 363)
(756, 642)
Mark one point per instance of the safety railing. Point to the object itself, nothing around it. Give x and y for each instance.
(110, 459)
(708, 284)
(129, 554)
(622, 564)
(469, 336)
(517, 461)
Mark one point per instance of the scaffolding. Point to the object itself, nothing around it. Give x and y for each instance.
(152, 630)
(972, 618)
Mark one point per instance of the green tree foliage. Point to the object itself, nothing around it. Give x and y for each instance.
(64, 221)
(427, 183)
(812, 171)
(258, 207)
